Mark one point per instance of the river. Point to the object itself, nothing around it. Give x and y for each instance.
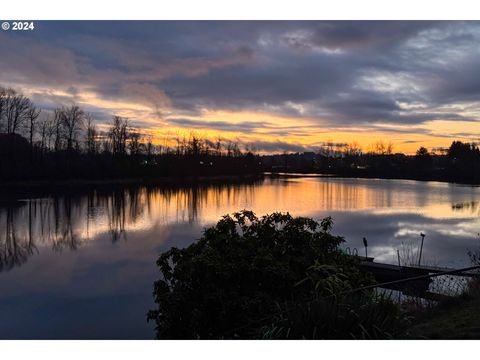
(81, 264)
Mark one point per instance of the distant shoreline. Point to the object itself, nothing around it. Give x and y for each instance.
(190, 180)
(75, 183)
(363, 176)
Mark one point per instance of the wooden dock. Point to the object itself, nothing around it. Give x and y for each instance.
(388, 273)
(396, 271)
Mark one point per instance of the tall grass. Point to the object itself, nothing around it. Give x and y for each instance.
(409, 254)
(363, 315)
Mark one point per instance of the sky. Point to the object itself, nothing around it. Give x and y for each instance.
(274, 85)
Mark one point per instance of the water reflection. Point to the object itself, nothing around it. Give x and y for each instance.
(14, 249)
(118, 232)
(68, 220)
(472, 206)
(405, 207)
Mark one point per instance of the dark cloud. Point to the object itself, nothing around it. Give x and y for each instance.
(246, 126)
(349, 35)
(332, 144)
(280, 146)
(219, 125)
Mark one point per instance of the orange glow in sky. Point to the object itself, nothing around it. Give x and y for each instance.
(275, 86)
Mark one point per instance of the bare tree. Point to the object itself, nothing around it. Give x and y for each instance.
(218, 147)
(46, 131)
(233, 149)
(3, 104)
(106, 145)
(91, 135)
(32, 115)
(57, 129)
(381, 148)
(135, 144)
(15, 110)
(149, 147)
(353, 149)
(118, 135)
(194, 146)
(181, 145)
(72, 121)
(229, 148)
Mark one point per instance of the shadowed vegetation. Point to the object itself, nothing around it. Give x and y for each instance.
(271, 277)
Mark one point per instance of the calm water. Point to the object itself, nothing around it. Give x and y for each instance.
(81, 265)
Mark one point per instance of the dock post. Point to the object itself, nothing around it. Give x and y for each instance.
(365, 243)
(421, 248)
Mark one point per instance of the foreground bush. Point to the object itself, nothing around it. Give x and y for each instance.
(250, 277)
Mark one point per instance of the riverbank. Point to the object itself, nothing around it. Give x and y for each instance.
(456, 319)
(188, 180)
(128, 181)
(366, 176)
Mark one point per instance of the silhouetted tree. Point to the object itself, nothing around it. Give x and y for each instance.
(422, 152)
(382, 148)
(149, 147)
(14, 110)
(135, 145)
(218, 147)
(32, 114)
(3, 106)
(57, 125)
(463, 151)
(47, 132)
(72, 121)
(118, 135)
(353, 149)
(91, 134)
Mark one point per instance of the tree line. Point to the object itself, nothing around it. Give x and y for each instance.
(70, 128)
(67, 142)
(460, 162)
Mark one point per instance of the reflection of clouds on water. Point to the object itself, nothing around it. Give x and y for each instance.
(102, 290)
(385, 211)
(104, 287)
(446, 243)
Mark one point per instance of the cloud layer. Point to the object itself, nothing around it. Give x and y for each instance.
(326, 75)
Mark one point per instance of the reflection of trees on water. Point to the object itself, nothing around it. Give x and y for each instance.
(67, 221)
(14, 249)
(473, 207)
(27, 224)
(124, 208)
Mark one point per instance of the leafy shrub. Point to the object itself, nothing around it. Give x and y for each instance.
(233, 282)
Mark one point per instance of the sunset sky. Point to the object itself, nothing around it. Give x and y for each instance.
(279, 86)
